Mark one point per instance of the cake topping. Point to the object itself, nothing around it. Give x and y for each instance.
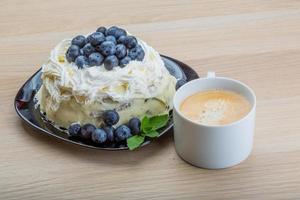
(96, 38)
(101, 29)
(110, 117)
(80, 61)
(111, 46)
(79, 41)
(124, 61)
(107, 48)
(110, 62)
(95, 59)
(111, 39)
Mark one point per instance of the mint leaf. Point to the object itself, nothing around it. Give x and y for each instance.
(149, 127)
(135, 141)
(145, 124)
(154, 123)
(158, 122)
(152, 134)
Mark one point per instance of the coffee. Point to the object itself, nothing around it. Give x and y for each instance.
(215, 107)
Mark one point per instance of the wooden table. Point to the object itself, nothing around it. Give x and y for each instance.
(255, 41)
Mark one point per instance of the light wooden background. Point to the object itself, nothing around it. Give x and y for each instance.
(255, 41)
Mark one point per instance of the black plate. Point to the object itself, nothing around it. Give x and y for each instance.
(24, 105)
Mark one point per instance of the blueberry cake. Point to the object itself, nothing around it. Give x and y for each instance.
(110, 78)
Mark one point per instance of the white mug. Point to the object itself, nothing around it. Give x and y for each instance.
(219, 146)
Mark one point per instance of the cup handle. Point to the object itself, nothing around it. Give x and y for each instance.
(211, 74)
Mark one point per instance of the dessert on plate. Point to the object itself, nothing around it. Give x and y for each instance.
(104, 79)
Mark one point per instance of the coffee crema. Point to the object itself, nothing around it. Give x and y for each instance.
(215, 107)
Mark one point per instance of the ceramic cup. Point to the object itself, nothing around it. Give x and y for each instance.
(213, 147)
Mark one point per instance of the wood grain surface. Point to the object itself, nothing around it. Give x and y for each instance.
(255, 41)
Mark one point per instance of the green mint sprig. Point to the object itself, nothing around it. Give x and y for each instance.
(149, 127)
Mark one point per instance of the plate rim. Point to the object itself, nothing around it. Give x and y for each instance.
(50, 133)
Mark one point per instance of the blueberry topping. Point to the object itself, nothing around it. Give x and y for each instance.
(88, 49)
(110, 62)
(121, 51)
(124, 61)
(69, 57)
(122, 133)
(111, 46)
(95, 59)
(130, 42)
(111, 38)
(81, 52)
(108, 48)
(98, 49)
(80, 61)
(110, 117)
(141, 55)
(110, 133)
(119, 32)
(121, 39)
(72, 53)
(111, 30)
(96, 38)
(79, 40)
(136, 53)
(87, 130)
(101, 29)
(134, 124)
(74, 130)
(180, 83)
(99, 136)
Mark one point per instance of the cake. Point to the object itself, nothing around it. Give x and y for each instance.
(109, 69)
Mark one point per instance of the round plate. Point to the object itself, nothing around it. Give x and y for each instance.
(24, 105)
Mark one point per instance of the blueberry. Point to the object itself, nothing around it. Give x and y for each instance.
(122, 133)
(111, 38)
(81, 52)
(110, 117)
(108, 48)
(97, 48)
(110, 133)
(124, 61)
(180, 83)
(110, 62)
(99, 136)
(72, 53)
(101, 29)
(134, 124)
(121, 39)
(111, 30)
(88, 49)
(80, 61)
(130, 42)
(79, 40)
(69, 57)
(136, 53)
(96, 38)
(74, 130)
(121, 51)
(95, 59)
(86, 131)
(141, 55)
(119, 32)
